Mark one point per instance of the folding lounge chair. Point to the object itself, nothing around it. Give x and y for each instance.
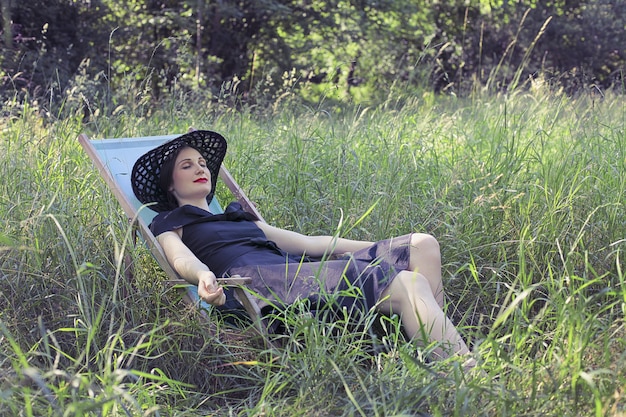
(114, 159)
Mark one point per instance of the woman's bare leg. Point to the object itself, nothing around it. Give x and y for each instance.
(425, 258)
(410, 296)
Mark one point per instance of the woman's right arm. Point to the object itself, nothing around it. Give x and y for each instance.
(188, 266)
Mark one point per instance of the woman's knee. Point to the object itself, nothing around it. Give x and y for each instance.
(409, 291)
(425, 250)
(425, 242)
(413, 284)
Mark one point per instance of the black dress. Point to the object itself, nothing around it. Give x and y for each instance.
(232, 244)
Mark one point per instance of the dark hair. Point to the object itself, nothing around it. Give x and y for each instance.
(166, 177)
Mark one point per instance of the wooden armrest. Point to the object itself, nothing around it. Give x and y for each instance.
(222, 280)
(234, 280)
(244, 297)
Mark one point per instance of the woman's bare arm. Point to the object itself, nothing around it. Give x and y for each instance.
(188, 266)
(314, 246)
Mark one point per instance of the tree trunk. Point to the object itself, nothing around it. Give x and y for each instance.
(199, 41)
(7, 23)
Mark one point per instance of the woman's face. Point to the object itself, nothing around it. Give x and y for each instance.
(191, 179)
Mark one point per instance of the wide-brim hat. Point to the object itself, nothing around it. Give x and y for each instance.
(147, 170)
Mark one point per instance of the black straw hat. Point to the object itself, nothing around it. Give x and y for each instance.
(146, 171)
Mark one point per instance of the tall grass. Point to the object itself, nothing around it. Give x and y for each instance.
(525, 193)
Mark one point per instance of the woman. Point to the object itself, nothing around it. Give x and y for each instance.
(396, 276)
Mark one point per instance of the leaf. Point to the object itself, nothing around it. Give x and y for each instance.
(6, 242)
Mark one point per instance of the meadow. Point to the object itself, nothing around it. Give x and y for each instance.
(525, 192)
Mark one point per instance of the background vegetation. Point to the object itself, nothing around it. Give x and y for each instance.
(339, 49)
(497, 127)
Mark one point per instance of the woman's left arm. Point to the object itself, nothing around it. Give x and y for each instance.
(315, 246)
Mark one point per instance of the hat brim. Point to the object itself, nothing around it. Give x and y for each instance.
(147, 169)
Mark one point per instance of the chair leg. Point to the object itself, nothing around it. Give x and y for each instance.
(253, 310)
(247, 300)
(127, 265)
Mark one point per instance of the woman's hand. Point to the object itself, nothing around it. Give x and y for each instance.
(191, 268)
(209, 290)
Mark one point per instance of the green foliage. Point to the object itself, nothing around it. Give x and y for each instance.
(524, 191)
(340, 50)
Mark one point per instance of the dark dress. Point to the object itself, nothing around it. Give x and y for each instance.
(232, 244)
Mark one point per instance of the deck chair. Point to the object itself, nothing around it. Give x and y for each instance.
(114, 159)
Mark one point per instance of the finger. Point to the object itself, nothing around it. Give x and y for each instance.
(222, 299)
(215, 297)
(205, 292)
(210, 286)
